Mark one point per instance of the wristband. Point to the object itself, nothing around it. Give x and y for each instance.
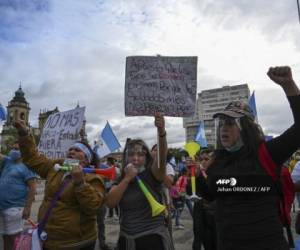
(163, 135)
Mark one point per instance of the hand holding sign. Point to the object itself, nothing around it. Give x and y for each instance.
(160, 124)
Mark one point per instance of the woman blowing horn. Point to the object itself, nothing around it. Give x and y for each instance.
(139, 229)
(71, 223)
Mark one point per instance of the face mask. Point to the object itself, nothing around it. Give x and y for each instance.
(14, 155)
(141, 169)
(236, 147)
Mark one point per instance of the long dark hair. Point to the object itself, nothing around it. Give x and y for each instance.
(129, 144)
(252, 135)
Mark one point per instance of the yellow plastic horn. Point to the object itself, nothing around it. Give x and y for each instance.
(192, 148)
(156, 207)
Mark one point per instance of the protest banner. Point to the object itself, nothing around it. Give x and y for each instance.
(60, 131)
(160, 84)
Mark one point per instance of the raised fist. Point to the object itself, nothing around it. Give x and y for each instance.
(281, 75)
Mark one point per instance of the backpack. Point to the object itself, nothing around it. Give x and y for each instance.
(285, 188)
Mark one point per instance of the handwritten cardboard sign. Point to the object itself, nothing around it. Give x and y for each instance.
(160, 84)
(60, 132)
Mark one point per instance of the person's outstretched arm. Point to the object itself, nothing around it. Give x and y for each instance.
(283, 146)
(158, 169)
(30, 155)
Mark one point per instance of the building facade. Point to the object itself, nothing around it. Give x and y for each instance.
(43, 116)
(17, 109)
(210, 102)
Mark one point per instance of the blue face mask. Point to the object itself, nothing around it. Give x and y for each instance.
(14, 155)
(236, 147)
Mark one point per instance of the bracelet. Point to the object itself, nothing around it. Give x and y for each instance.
(163, 135)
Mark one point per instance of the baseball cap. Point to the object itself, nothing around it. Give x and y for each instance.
(236, 109)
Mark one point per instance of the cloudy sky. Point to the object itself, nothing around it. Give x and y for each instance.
(66, 51)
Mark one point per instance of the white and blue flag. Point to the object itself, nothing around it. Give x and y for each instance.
(2, 113)
(200, 137)
(108, 142)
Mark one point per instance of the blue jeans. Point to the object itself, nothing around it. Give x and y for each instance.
(189, 205)
(298, 199)
(178, 205)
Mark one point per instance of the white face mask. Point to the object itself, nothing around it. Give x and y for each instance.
(141, 169)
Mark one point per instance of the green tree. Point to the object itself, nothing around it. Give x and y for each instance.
(178, 153)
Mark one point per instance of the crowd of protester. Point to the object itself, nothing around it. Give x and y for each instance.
(77, 206)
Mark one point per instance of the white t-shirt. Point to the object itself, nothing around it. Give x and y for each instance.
(170, 170)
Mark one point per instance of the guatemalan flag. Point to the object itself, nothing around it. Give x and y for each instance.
(108, 142)
(200, 137)
(2, 113)
(252, 104)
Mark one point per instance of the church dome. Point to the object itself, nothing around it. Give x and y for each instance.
(19, 96)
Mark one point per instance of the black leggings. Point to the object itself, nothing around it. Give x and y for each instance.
(147, 242)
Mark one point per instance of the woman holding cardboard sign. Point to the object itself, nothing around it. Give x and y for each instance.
(139, 195)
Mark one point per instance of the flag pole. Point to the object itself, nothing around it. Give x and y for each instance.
(158, 146)
(298, 5)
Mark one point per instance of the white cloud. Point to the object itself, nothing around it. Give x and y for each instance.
(70, 51)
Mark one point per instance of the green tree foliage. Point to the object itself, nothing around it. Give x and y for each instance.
(178, 153)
